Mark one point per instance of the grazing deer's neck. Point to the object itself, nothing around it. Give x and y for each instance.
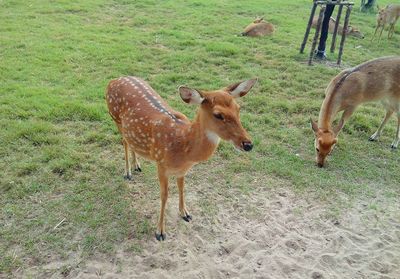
(329, 108)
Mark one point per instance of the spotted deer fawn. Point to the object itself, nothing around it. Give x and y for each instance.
(375, 80)
(351, 30)
(258, 28)
(153, 130)
(388, 15)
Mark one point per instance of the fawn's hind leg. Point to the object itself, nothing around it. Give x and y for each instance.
(376, 30)
(135, 161)
(128, 173)
(380, 34)
(396, 141)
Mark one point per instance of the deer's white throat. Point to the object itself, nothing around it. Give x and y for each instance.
(212, 137)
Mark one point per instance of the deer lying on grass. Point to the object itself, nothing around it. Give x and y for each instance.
(258, 28)
(153, 130)
(351, 31)
(388, 15)
(375, 80)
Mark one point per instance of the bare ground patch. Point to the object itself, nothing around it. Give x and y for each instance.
(266, 233)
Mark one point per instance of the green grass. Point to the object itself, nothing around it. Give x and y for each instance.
(60, 151)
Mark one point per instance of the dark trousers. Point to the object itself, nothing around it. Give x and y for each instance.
(369, 3)
(325, 27)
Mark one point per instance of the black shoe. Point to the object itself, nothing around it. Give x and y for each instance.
(320, 55)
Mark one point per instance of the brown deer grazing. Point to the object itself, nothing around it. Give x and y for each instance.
(351, 31)
(258, 28)
(153, 130)
(388, 15)
(375, 80)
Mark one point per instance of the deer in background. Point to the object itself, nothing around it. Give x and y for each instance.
(375, 80)
(388, 15)
(258, 28)
(351, 31)
(153, 130)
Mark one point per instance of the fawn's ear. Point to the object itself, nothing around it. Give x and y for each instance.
(190, 96)
(314, 125)
(240, 89)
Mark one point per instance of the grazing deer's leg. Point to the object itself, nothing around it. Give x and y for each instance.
(397, 139)
(182, 207)
(136, 161)
(160, 234)
(378, 132)
(128, 173)
(346, 115)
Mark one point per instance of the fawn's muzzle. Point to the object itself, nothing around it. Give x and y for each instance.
(247, 146)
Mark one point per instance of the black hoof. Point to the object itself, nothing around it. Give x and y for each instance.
(371, 139)
(393, 146)
(128, 177)
(161, 236)
(187, 218)
(138, 169)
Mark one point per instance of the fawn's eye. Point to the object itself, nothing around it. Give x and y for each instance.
(317, 149)
(219, 116)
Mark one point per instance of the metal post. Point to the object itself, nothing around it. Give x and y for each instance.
(317, 29)
(303, 45)
(333, 45)
(346, 25)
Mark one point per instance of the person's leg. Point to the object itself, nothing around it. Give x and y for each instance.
(324, 31)
(370, 3)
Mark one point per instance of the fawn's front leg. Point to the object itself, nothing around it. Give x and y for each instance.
(182, 207)
(162, 177)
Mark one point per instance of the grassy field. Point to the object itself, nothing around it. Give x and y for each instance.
(61, 155)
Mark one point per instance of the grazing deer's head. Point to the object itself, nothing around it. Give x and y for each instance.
(325, 140)
(219, 112)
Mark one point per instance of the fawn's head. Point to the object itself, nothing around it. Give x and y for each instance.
(325, 140)
(219, 112)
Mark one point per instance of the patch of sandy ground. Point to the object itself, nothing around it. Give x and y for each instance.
(266, 233)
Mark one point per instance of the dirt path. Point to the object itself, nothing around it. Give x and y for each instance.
(265, 234)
